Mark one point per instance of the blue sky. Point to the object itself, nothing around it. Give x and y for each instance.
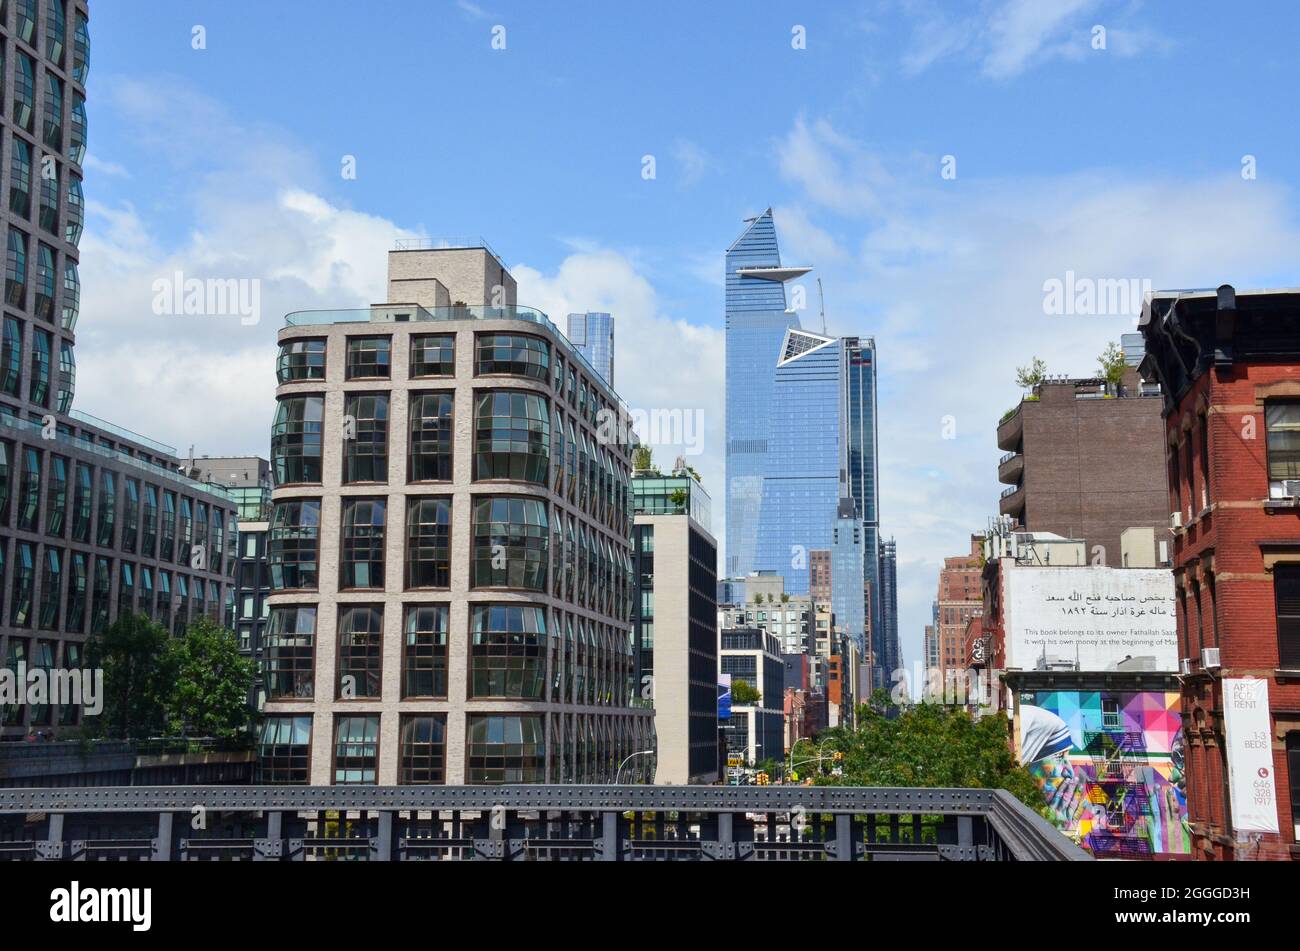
(1116, 163)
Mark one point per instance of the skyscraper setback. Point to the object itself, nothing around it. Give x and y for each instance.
(801, 429)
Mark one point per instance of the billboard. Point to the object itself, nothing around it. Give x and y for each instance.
(1089, 618)
(1110, 767)
(724, 696)
(1248, 734)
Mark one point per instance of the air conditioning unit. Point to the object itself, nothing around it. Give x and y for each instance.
(1176, 520)
(1210, 658)
(1185, 666)
(1291, 488)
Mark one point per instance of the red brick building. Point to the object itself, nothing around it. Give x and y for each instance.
(960, 597)
(1229, 365)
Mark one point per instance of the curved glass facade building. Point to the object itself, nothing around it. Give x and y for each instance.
(449, 545)
(95, 520)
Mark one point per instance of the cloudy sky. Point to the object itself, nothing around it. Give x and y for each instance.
(935, 162)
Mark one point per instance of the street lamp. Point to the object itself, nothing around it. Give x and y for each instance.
(618, 772)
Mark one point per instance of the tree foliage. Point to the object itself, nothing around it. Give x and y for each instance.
(743, 692)
(139, 671)
(155, 684)
(1111, 363)
(210, 694)
(923, 745)
(1030, 376)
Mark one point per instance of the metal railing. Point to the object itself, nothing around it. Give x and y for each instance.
(122, 432)
(416, 313)
(131, 462)
(525, 823)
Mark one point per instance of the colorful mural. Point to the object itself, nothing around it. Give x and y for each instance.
(1110, 764)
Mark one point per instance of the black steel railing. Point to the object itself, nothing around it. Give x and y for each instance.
(531, 823)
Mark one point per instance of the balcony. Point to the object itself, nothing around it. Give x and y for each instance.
(1012, 502)
(1011, 429)
(1011, 468)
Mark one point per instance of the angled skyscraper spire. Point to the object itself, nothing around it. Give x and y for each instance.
(757, 320)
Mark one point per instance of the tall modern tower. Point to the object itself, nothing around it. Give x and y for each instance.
(801, 430)
(757, 321)
(96, 521)
(592, 334)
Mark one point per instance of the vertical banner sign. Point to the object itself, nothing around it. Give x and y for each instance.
(724, 696)
(1250, 755)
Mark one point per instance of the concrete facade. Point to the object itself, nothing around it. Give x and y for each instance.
(1084, 463)
(586, 738)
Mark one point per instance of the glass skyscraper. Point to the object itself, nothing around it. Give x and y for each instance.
(592, 334)
(757, 320)
(801, 433)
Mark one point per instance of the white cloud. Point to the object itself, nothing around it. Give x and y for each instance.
(692, 160)
(661, 361)
(950, 283)
(1007, 37)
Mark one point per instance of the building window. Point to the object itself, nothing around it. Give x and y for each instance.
(505, 749)
(1293, 772)
(508, 651)
(107, 508)
(67, 377)
(284, 750)
(515, 354)
(1283, 423)
(510, 543)
(11, 355)
(365, 454)
(423, 760)
(52, 127)
(51, 589)
(300, 360)
(360, 657)
(429, 454)
(149, 536)
(20, 178)
(29, 491)
(356, 750)
(77, 141)
(38, 390)
(511, 436)
(428, 543)
(1286, 589)
(424, 654)
(433, 356)
(45, 283)
(74, 221)
(77, 592)
(1110, 718)
(126, 590)
(24, 91)
(82, 503)
(296, 440)
(56, 496)
(25, 22)
(71, 294)
(368, 358)
(290, 652)
(292, 544)
(101, 595)
(362, 561)
(81, 50)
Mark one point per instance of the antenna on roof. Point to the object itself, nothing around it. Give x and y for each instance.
(822, 298)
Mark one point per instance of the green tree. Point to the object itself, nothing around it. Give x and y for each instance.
(1112, 363)
(743, 692)
(927, 745)
(1030, 376)
(139, 671)
(210, 692)
(643, 459)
